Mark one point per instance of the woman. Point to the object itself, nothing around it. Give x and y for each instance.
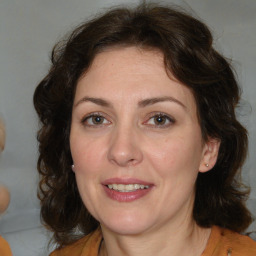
(139, 145)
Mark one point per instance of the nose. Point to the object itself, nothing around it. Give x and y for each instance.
(125, 149)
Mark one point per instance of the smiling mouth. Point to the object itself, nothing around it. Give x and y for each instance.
(127, 187)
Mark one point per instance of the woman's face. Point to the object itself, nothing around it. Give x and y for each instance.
(136, 142)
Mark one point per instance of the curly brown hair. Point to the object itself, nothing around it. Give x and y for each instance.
(187, 46)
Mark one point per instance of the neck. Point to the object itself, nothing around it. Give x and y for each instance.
(183, 240)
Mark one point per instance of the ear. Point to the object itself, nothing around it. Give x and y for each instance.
(209, 154)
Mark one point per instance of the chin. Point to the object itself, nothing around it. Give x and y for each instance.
(127, 225)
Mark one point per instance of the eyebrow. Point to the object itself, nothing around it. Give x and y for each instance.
(141, 104)
(97, 101)
(151, 101)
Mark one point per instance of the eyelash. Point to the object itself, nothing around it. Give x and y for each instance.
(153, 116)
(84, 121)
(161, 115)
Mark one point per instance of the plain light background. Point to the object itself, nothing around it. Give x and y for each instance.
(28, 31)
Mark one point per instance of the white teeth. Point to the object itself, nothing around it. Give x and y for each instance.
(136, 186)
(127, 188)
(120, 187)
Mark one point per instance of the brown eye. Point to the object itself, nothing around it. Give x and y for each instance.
(97, 119)
(160, 120)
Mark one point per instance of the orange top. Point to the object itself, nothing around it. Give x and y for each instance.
(229, 243)
(4, 248)
(86, 246)
(222, 242)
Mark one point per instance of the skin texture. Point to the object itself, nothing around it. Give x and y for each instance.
(128, 142)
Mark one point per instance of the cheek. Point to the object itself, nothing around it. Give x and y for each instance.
(87, 158)
(177, 155)
(84, 149)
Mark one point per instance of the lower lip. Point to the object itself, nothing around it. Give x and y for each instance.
(126, 196)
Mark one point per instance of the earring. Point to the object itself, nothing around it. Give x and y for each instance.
(207, 165)
(73, 166)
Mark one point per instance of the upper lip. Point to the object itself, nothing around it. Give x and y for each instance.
(125, 181)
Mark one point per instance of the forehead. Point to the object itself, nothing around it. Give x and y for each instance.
(129, 60)
(132, 72)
